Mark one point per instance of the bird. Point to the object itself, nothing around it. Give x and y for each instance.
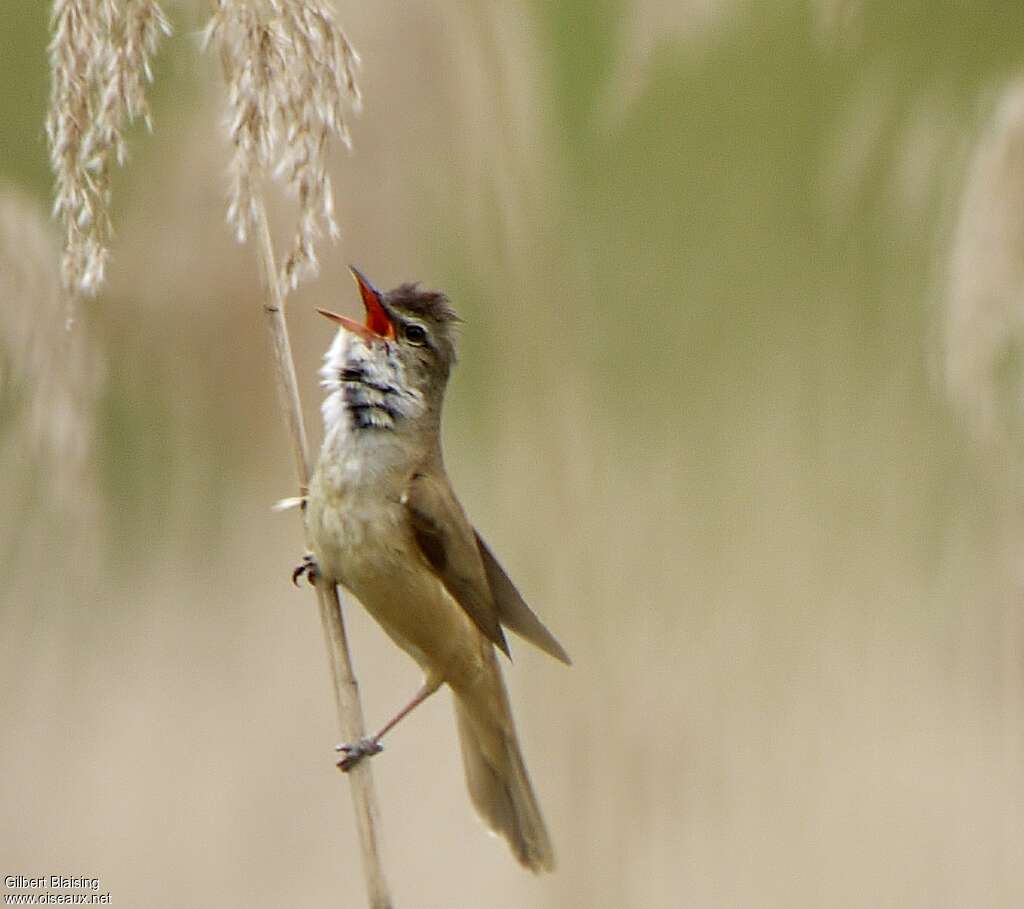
(385, 524)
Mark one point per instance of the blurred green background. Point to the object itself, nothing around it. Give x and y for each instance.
(739, 406)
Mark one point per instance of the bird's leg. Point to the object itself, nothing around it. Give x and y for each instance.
(307, 567)
(370, 745)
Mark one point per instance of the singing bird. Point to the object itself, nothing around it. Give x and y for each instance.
(386, 525)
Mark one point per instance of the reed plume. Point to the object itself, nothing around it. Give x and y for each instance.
(290, 73)
(100, 56)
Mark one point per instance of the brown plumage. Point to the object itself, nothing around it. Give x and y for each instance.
(386, 524)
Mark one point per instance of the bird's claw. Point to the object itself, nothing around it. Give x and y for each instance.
(355, 751)
(307, 567)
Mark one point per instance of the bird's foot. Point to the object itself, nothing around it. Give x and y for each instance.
(307, 567)
(355, 751)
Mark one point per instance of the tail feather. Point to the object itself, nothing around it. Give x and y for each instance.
(500, 786)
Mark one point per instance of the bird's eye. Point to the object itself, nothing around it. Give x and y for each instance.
(415, 334)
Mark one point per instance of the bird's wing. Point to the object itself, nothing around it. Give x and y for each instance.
(512, 609)
(446, 539)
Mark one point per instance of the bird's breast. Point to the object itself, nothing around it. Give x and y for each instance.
(361, 540)
(354, 508)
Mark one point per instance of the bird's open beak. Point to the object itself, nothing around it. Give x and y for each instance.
(378, 325)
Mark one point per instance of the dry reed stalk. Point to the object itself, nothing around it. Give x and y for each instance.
(346, 688)
(289, 70)
(290, 75)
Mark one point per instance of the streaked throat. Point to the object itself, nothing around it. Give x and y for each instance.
(367, 391)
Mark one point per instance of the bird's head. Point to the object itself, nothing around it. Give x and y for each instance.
(407, 341)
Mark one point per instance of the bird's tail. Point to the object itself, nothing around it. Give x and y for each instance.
(496, 774)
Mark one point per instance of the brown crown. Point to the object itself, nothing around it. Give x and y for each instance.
(427, 304)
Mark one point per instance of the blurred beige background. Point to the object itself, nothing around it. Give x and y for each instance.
(739, 406)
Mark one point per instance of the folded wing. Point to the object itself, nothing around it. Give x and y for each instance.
(446, 539)
(512, 610)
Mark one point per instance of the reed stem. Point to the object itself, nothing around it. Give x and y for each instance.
(346, 688)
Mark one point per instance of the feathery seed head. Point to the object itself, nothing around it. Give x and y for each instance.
(290, 73)
(100, 62)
